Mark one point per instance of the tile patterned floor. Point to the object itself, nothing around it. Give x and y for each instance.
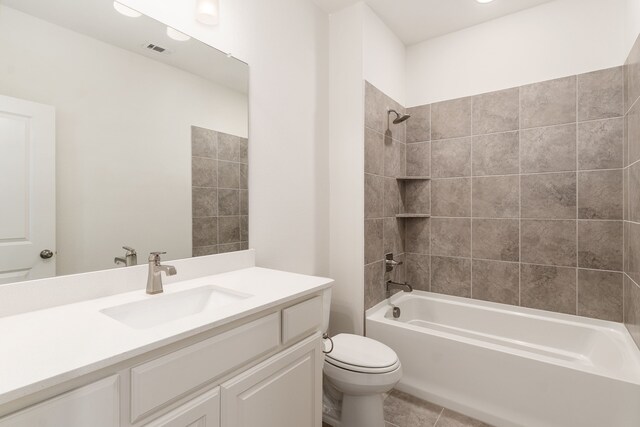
(403, 410)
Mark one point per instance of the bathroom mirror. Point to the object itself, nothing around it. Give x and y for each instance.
(115, 131)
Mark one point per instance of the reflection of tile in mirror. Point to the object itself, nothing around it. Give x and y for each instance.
(220, 192)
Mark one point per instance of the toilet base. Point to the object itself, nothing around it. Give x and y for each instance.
(362, 411)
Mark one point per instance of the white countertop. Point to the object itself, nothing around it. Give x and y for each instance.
(43, 348)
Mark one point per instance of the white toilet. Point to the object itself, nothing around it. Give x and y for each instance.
(361, 369)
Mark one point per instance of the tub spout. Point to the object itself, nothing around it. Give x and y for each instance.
(391, 285)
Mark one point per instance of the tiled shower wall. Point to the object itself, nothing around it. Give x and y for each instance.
(220, 192)
(632, 194)
(526, 196)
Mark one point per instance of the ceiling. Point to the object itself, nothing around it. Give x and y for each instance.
(414, 21)
(99, 20)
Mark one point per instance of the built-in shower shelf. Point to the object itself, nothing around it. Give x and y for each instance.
(412, 215)
(413, 178)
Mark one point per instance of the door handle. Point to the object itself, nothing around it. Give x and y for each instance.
(46, 254)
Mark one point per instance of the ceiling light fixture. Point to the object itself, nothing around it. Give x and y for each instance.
(208, 11)
(484, 1)
(177, 35)
(126, 11)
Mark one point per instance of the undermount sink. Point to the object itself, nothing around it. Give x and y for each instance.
(159, 309)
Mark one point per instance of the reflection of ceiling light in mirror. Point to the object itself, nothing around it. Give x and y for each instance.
(177, 35)
(208, 11)
(126, 11)
(484, 1)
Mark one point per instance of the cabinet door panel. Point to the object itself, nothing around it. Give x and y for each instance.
(285, 390)
(203, 411)
(95, 405)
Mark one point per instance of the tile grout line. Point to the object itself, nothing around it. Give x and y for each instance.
(439, 415)
(577, 190)
(471, 193)
(520, 196)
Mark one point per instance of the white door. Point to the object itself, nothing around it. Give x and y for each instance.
(285, 390)
(27, 190)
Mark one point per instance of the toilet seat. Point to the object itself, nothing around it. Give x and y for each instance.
(361, 354)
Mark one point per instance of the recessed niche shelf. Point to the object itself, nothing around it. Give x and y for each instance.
(413, 215)
(413, 178)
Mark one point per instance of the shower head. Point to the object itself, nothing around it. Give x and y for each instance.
(399, 118)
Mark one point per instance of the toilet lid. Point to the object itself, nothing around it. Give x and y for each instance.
(361, 354)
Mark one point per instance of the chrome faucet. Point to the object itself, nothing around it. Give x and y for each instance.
(154, 281)
(390, 285)
(130, 258)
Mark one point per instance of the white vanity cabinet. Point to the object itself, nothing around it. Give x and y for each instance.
(94, 405)
(262, 371)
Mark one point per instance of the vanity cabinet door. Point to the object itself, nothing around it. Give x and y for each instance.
(285, 390)
(203, 411)
(94, 405)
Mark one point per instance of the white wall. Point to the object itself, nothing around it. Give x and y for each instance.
(632, 23)
(123, 138)
(347, 169)
(384, 57)
(285, 42)
(556, 39)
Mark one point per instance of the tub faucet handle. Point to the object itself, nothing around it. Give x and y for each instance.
(390, 263)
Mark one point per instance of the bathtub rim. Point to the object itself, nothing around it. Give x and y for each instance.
(378, 313)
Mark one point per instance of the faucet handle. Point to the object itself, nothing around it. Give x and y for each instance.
(129, 250)
(155, 256)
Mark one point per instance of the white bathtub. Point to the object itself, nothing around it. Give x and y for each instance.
(512, 366)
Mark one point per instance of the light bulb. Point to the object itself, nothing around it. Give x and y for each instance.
(126, 11)
(208, 11)
(177, 35)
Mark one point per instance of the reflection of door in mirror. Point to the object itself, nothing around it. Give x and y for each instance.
(27, 190)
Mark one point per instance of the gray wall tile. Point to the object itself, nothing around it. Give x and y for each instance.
(548, 288)
(600, 295)
(496, 239)
(393, 232)
(373, 284)
(496, 111)
(228, 229)
(204, 172)
(203, 142)
(451, 119)
(230, 247)
(244, 228)
(600, 194)
(633, 133)
(451, 197)
(632, 309)
(496, 154)
(229, 147)
(451, 237)
(392, 200)
(373, 152)
(373, 196)
(632, 77)
(600, 144)
(205, 250)
(496, 197)
(600, 245)
(418, 270)
(417, 197)
(204, 201)
(548, 242)
(394, 158)
(550, 149)
(632, 251)
(496, 281)
(228, 202)
(244, 150)
(550, 196)
(373, 240)
(634, 192)
(418, 236)
(419, 159)
(419, 125)
(451, 276)
(205, 231)
(244, 176)
(228, 174)
(244, 202)
(548, 103)
(451, 158)
(600, 94)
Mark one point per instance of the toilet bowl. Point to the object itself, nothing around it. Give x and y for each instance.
(361, 369)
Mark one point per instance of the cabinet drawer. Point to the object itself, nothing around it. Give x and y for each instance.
(301, 320)
(159, 381)
(95, 405)
(203, 411)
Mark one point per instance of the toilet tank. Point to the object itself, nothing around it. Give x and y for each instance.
(326, 309)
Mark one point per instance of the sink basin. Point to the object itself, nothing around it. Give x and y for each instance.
(159, 309)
